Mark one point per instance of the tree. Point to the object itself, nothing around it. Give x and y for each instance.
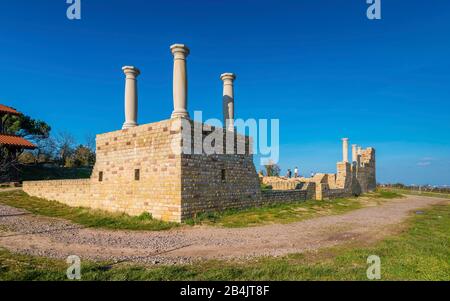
(47, 150)
(272, 169)
(82, 156)
(22, 126)
(26, 127)
(65, 143)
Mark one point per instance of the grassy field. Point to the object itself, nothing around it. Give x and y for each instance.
(421, 252)
(415, 192)
(282, 213)
(289, 212)
(83, 216)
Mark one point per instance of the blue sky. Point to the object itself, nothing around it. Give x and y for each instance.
(320, 66)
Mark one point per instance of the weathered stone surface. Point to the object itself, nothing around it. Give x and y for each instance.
(171, 186)
(350, 179)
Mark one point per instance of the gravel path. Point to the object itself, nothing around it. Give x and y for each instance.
(36, 235)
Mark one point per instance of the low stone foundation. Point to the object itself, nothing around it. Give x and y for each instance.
(70, 192)
(282, 196)
(137, 170)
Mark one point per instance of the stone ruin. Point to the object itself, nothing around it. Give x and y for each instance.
(351, 179)
(137, 170)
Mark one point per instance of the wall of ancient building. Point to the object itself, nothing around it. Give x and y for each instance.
(283, 196)
(227, 180)
(279, 183)
(350, 179)
(70, 192)
(366, 172)
(135, 172)
(141, 170)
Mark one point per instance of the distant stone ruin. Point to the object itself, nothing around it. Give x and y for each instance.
(138, 171)
(353, 178)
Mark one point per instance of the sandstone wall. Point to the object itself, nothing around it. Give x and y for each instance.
(336, 193)
(146, 150)
(280, 183)
(75, 193)
(367, 171)
(135, 172)
(138, 170)
(141, 170)
(219, 181)
(350, 179)
(283, 196)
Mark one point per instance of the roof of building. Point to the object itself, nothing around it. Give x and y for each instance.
(8, 110)
(16, 141)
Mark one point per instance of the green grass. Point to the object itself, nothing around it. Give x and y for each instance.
(255, 216)
(83, 216)
(419, 252)
(266, 187)
(37, 172)
(288, 212)
(415, 192)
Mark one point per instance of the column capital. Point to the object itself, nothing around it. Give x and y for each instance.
(179, 51)
(345, 139)
(228, 76)
(131, 71)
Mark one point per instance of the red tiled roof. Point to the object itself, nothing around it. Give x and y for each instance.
(16, 141)
(8, 110)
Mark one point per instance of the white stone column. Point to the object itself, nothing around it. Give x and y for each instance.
(345, 150)
(180, 52)
(228, 100)
(131, 96)
(354, 153)
(359, 150)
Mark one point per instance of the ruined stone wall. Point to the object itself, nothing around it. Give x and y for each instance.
(140, 170)
(366, 174)
(336, 193)
(70, 192)
(219, 181)
(343, 176)
(350, 179)
(283, 196)
(135, 172)
(280, 183)
(310, 189)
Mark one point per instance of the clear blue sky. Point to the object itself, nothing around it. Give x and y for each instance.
(320, 66)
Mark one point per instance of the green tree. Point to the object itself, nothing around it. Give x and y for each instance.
(65, 144)
(272, 169)
(23, 126)
(82, 156)
(26, 127)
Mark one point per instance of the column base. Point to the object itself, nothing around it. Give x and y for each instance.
(128, 125)
(176, 114)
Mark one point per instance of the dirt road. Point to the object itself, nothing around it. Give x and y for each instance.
(36, 235)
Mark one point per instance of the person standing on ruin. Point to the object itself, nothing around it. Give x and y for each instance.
(296, 172)
(289, 173)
